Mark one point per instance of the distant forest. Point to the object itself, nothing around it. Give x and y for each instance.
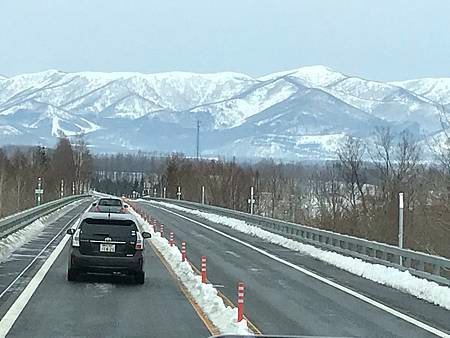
(350, 195)
(65, 170)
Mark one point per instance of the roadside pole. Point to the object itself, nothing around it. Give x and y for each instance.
(251, 200)
(39, 192)
(203, 194)
(400, 223)
(179, 193)
(164, 192)
(62, 189)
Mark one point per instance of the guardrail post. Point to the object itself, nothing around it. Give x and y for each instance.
(203, 269)
(436, 269)
(240, 301)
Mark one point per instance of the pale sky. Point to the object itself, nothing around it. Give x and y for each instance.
(379, 39)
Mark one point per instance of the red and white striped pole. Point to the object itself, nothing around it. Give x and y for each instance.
(240, 301)
(183, 251)
(161, 230)
(171, 238)
(203, 269)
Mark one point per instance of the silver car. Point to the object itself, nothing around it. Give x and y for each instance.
(110, 205)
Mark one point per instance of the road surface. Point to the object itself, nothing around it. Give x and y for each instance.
(97, 307)
(281, 300)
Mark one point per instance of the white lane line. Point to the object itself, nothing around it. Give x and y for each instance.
(232, 253)
(342, 288)
(35, 258)
(15, 310)
(17, 307)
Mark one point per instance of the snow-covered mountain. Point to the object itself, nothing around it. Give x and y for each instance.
(435, 89)
(301, 113)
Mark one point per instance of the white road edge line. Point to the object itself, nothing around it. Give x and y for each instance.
(355, 294)
(17, 307)
(32, 262)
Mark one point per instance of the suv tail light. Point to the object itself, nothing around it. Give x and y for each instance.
(139, 242)
(76, 239)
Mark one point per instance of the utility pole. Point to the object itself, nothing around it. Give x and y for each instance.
(203, 194)
(198, 140)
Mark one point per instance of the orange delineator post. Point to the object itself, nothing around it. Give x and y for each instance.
(240, 301)
(203, 269)
(171, 238)
(183, 251)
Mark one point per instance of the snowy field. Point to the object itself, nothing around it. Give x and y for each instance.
(401, 280)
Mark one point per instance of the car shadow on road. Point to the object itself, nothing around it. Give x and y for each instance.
(117, 280)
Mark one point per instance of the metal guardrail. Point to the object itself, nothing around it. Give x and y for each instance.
(423, 265)
(12, 223)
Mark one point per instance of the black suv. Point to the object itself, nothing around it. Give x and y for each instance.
(107, 244)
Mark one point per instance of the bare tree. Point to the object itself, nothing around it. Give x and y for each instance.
(4, 164)
(351, 157)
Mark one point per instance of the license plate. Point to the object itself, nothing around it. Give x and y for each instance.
(107, 248)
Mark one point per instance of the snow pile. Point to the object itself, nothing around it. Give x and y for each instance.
(401, 280)
(14, 241)
(205, 295)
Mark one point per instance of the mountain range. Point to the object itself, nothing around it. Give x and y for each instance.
(299, 114)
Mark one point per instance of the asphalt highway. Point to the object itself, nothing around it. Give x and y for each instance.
(96, 306)
(281, 300)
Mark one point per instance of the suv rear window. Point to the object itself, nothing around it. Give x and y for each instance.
(101, 228)
(110, 203)
(111, 222)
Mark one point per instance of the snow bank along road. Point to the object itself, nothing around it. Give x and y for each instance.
(98, 307)
(282, 300)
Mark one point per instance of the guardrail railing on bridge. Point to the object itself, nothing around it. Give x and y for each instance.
(423, 265)
(12, 223)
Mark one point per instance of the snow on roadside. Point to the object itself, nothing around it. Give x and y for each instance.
(14, 241)
(400, 280)
(205, 295)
